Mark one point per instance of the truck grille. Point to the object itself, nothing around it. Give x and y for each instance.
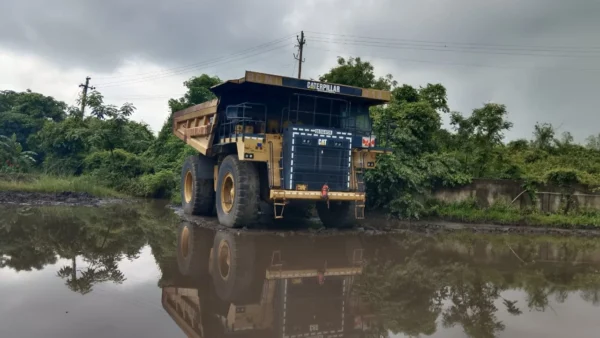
(314, 157)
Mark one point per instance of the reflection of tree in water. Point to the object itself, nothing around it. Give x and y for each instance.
(473, 304)
(406, 282)
(403, 291)
(96, 272)
(95, 240)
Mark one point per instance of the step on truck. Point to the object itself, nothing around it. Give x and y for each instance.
(274, 140)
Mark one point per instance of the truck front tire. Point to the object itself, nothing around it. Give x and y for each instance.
(233, 266)
(197, 191)
(238, 190)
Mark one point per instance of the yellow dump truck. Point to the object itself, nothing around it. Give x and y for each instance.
(275, 139)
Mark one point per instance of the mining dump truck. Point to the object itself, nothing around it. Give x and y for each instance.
(278, 140)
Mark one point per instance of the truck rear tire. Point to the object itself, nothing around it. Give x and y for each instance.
(340, 214)
(233, 266)
(193, 250)
(238, 189)
(197, 191)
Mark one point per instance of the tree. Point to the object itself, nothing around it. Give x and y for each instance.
(198, 91)
(593, 142)
(63, 145)
(543, 136)
(358, 73)
(481, 134)
(109, 127)
(25, 113)
(435, 95)
(167, 150)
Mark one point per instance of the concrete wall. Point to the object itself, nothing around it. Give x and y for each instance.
(489, 191)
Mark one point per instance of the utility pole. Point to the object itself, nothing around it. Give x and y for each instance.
(85, 87)
(300, 45)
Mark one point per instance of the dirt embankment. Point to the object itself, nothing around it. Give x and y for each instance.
(58, 199)
(378, 225)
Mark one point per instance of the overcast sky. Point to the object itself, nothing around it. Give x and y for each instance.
(539, 57)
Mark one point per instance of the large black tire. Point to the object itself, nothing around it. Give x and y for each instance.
(238, 189)
(339, 215)
(197, 186)
(233, 263)
(193, 250)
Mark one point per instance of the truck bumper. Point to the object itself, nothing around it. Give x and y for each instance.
(281, 194)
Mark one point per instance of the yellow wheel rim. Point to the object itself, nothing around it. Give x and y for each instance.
(185, 236)
(188, 187)
(224, 259)
(227, 193)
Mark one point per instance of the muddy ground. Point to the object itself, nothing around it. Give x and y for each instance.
(58, 199)
(379, 224)
(374, 224)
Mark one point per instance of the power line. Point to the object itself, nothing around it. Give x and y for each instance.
(474, 44)
(456, 63)
(150, 97)
(206, 65)
(198, 64)
(440, 48)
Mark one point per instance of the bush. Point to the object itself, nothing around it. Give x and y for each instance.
(159, 185)
(563, 177)
(119, 162)
(117, 170)
(66, 166)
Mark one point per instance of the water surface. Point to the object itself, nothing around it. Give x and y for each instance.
(137, 271)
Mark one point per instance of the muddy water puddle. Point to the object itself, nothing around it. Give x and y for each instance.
(136, 270)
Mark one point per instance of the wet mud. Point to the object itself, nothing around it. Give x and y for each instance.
(57, 199)
(379, 224)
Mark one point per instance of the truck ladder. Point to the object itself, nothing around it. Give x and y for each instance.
(359, 206)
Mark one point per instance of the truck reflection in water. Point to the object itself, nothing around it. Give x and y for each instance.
(263, 285)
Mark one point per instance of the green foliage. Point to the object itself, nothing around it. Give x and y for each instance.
(25, 113)
(12, 157)
(481, 136)
(563, 177)
(158, 185)
(198, 92)
(358, 73)
(51, 184)
(63, 144)
(543, 136)
(504, 213)
(114, 169)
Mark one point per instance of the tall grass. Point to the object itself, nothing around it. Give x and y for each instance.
(50, 184)
(504, 214)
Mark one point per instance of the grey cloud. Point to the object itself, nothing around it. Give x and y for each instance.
(99, 35)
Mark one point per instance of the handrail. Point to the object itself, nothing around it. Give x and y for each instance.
(271, 170)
